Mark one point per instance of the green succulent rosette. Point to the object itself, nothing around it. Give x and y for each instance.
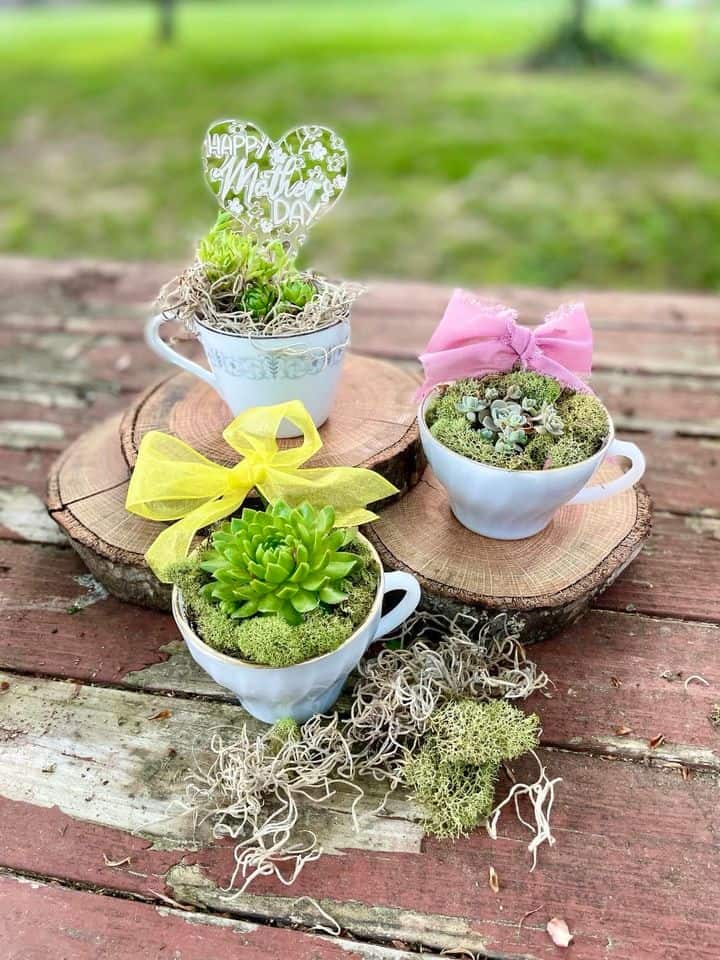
(283, 560)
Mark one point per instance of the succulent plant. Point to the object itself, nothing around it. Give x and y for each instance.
(509, 424)
(548, 420)
(251, 275)
(472, 407)
(519, 421)
(296, 292)
(259, 299)
(282, 560)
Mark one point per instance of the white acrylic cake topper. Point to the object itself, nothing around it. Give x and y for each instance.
(274, 189)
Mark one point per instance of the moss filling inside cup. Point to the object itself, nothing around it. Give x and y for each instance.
(278, 587)
(518, 421)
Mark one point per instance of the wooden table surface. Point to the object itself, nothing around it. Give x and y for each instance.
(99, 707)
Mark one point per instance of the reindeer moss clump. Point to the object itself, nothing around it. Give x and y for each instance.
(518, 421)
(269, 639)
(453, 776)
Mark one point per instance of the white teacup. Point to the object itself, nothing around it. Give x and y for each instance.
(262, 371)
(514, 504)
(304, 689)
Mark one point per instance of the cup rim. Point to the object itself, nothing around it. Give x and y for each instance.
(426, 434)
(178, 610)
(273, 336)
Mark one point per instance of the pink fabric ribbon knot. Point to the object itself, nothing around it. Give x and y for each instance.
(476, 337)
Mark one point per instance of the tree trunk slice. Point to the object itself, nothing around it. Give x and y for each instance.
(548, 580)
(372, 425)
(87, 487)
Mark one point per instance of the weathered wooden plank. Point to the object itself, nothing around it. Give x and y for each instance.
(54, 622)
(54, 294)
(682, 474)
(118, 758)
(69, 359)
(80, 361)
(24, 517)
(421, 304)
(610, 670)
(32, 289)
(635, 863)
(398, 323)
(41, 920)
(676, 573)
(30, 424)
(618, 675)
(27, 469)
(57, 620)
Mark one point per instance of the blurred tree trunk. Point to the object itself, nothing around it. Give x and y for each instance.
(578, 17)
(166, 25)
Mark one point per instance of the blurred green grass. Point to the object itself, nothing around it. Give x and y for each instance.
(463, 167)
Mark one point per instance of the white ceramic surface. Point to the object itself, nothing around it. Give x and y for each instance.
(304, 689)
(262, 371)
(514, 504)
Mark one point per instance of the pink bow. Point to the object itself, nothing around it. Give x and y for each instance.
(476, 337)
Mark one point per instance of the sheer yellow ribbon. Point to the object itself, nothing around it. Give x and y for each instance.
(171, 481)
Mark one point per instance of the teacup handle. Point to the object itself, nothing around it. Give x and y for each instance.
(397, 580)
(156, 343)
(600, 491)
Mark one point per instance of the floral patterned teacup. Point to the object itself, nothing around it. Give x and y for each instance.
(262, 371)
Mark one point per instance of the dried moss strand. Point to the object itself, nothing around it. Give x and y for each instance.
(192, 296)
(251, 789)
(541, 795)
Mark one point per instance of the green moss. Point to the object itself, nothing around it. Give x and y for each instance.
(456, 433)
(466, 731)
(453, 775)
(584, 418)
(454, 798)
(283, 731)
(568, 450)
(538, 450)
(586, 425)
(715, 715)
(542, 388)
(269, 639)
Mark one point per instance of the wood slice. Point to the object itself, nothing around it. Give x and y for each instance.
(548, 580)
(372, 425)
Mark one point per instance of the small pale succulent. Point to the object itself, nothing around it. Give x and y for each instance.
(472, 407)
(548, 420)
(509, 422)
(282, 560)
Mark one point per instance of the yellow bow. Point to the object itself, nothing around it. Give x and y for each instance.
(171, 481)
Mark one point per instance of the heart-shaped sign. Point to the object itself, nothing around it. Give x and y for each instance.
(274, 189)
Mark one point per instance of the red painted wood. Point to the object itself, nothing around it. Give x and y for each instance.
(653, 350)
(26, 468)
(54, 294)
(607, 674)
(675, 575)
(635, 870)
(45, 629)
(70, 421)
(682, 474)
(40, 922)
(660, 403)
(636, 863)
(83, 362)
